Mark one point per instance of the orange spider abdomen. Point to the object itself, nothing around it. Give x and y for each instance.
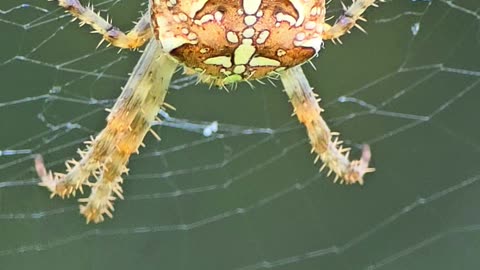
(233, 40)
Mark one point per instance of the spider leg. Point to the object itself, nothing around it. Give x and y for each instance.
(347, 20)
(331, 152)
(132, 40)
(107, 155)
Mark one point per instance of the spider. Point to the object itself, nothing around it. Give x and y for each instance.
(224, 42)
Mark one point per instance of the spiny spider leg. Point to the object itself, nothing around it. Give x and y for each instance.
(331, 152)
(132, 40)
(107, 155)
(347, 20)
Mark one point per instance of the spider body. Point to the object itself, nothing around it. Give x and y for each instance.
(228, 41)
(223, 41)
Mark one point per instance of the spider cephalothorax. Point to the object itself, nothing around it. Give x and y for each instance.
(224, 41)
(228, 41)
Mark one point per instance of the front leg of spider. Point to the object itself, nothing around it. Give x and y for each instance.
(324, 142)
(106, 156)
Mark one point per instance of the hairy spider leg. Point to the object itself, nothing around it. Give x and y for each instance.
(324, 143)
(107, 155)
(347, 20)
(128, 142)
(134, 39)
(121, 115)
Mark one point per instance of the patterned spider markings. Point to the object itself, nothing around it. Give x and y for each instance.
(228, 41)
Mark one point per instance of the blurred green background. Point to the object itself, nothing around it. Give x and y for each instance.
(250, 197)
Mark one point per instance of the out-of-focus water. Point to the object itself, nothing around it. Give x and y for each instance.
(251, 197)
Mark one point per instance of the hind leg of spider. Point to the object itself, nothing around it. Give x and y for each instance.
(347, 20)
(134, 39)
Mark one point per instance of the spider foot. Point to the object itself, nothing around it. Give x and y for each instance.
(100, 202)
(104, 165)
(336, 158)
(357, 168)
(110, 166)
(63, 185)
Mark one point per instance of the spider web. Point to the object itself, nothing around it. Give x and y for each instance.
(231, 185)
